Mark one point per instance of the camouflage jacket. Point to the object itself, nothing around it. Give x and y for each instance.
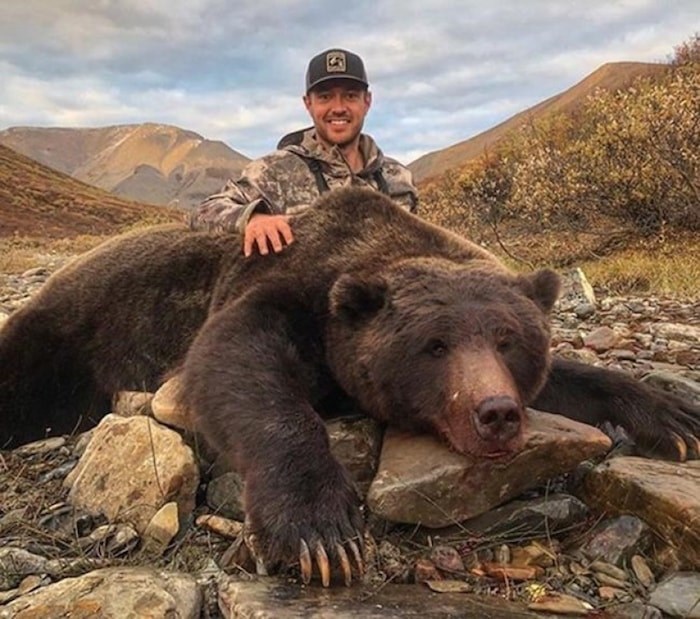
(283, 182)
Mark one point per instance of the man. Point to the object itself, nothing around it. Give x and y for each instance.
(333, 153)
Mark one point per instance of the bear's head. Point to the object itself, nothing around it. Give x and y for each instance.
(456, 350)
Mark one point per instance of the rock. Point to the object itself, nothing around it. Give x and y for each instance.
(225, 496)
(16, 563)
(425, 571)
(679, 595)
(41, 447)
(229, 529)
(511, 573)
(448, 586)
(536, 517)
(166, 408)
(275, 599)
(575, 290)
(563, 604)
(161, 468)
(676, 384)
(356, 444)
(113, 593)
(162, 528)
(421, 481)
(602, 339)
(636, 610)
(130, 403)
(584, 310)
(665, 495)
(679, 332)
(447, 559)
(616, 540)
(601, 567)
(111, 540)
(641, 570)
(532, 554)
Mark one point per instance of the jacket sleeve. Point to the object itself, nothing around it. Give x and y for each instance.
(400, 183)
(237, 202)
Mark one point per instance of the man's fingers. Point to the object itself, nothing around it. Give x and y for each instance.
(261, 240)
(275, 240)
(264, 229)
(286, 231)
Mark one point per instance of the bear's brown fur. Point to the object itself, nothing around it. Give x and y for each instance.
(425, 330)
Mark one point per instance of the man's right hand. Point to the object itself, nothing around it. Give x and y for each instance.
(263, 229)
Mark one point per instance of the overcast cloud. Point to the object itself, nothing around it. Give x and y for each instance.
(441, 71)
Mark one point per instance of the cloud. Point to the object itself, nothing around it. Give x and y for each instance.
(440, 71)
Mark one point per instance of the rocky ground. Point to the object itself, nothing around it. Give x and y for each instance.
(587, 529)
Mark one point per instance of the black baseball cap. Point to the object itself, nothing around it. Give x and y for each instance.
(334, 64)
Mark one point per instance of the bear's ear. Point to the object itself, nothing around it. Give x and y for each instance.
(356, 296)
(542, 287)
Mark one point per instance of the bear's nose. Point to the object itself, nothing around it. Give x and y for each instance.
(497, 418)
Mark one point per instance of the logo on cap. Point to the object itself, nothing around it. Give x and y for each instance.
(335, 62)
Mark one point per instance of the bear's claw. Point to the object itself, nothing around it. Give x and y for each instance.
(323, 563)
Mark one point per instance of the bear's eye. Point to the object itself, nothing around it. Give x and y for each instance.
(437, 348)
(505, 343)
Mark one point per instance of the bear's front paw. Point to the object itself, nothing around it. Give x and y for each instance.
(673, 431)
(306, 523)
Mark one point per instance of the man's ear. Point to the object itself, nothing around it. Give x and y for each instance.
(542, 287)
(357, 296)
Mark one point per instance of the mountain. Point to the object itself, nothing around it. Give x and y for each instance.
(40, 202)
(158, 164)
(611, 76)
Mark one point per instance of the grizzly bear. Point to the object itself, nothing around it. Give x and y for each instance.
(422, 329)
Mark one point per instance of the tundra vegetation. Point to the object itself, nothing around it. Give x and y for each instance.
(617, 184)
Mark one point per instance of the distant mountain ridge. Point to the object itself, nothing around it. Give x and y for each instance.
(610, 76)
(37, 201)
(153, 163)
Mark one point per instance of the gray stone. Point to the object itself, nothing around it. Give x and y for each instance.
(16, 563)
(224, 496)
(679, 595)
(524, 519)
(575, 290)
(675, 383)
(615, 541)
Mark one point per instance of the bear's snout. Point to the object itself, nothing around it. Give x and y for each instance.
(498, 419)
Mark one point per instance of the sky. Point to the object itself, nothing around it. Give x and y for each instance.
(440, 71)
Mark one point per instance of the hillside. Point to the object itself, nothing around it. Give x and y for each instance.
(37, 201)
(158, 164)
(611, 76)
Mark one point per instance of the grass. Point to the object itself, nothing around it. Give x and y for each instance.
(674, 271)
(667, 267)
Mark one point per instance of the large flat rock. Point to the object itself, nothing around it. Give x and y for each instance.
(421, 481)
(273, 599)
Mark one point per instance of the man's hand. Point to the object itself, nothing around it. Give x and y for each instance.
(263, 229)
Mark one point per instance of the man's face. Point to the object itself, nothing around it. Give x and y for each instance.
(338, 109)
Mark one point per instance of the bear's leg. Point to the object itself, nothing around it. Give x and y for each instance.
(659, 422)
(249, 378)
(46, 388)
